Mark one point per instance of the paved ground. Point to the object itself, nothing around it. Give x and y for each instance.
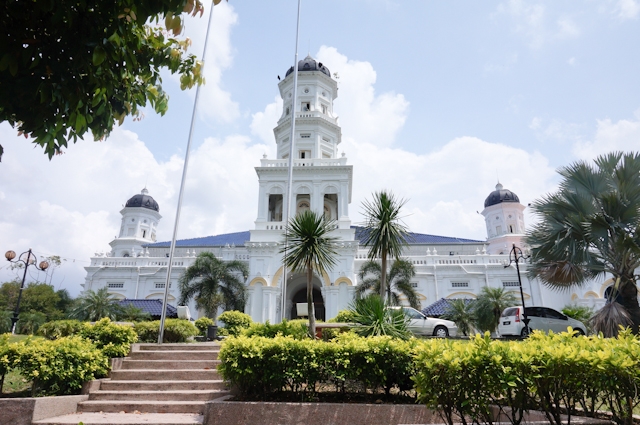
(125, 418)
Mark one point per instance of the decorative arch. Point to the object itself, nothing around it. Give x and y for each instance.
(330, 189)
(278, 275)
(303, 189)
(574, 296)
(343, 280)
(591, 294)
(275, 189)
(258, 280)
(605, 285)
(465, 294)
(160, 295)
(117, 295)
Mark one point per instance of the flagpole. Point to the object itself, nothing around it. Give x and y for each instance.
(292, 139)
(182, 184)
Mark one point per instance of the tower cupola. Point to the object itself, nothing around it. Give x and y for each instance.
(140, 217)
(503, 215)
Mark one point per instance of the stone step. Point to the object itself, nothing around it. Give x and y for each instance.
(164, 375)
(173, 395)
(128, 364)
(205, 346)
(174, 355)
(109, 385)
(88, 418)
(142, 406)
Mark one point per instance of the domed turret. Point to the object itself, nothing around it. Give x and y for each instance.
(500, 195)
(310, 64)
(143, 200)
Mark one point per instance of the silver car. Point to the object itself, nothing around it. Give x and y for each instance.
(540, 318)
(419, 324)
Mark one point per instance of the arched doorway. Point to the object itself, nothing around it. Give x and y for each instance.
(301, 297)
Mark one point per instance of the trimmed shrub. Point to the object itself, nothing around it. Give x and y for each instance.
(61, 328)
(297, 329)
(235, 322)
(8, 355)
(259, 366)
(344, 316)
(175, 330)
(113, 339)
(203, 324)
(59, 367)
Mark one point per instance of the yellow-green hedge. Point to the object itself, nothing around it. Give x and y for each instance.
(56, 367)
(260, 366)
(555, 373)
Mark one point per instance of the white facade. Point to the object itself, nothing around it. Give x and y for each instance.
(445, 267)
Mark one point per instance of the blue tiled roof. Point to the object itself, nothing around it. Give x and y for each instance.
(239, 238)
(153, 307)
(439, 307)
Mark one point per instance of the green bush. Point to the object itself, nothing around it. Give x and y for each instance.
(203, 324)
(235, 322)
(29, 322)
(376, 319)
(59, 367)
(344, 316)
(113, 339)
(8, 355)
(297, 329)
(555, 373)
(259, 366)
(175, 330)
(61, 328)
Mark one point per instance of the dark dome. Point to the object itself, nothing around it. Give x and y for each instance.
(310, 64)
(500, 195)
(143, 201)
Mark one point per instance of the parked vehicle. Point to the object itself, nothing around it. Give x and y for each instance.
(540, 318)
(428, 326)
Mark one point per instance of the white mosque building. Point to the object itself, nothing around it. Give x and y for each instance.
(446, 267)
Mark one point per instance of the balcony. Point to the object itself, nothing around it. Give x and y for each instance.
(307, 162)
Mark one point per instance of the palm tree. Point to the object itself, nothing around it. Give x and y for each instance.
(461, 312)
(214, 283)
(399, 281)
(131, 313)
(94, 305)
(489, 306)
(384, 232)
(590, 227)
(310, 248)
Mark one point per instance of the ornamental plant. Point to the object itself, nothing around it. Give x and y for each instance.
(175, 330)
(235, 322)
(203, 324)
(113, 339)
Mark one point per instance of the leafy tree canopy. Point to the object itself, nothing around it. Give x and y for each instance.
(72, 66)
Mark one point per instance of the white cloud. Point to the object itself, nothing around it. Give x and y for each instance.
(263, 123)
(365, 115)
(535, 123)
(622, 135)
(217, 103)
(627, 9)
(535, 24)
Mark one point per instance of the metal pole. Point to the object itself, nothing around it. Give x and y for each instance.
(182, 184)
(516, 257)
(292, 138)
(16, 312)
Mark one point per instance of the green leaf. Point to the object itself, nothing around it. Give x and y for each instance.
(99, 55)
(81, 123)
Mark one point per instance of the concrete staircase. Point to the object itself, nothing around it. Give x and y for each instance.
(166, 382)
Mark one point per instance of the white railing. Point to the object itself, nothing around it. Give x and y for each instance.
(310, 162)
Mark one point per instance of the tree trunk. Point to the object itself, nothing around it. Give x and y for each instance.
(310, 309)
(629, 300)
(383, 277)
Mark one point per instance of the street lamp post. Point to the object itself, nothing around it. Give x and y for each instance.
(28, 258)
(515, 256)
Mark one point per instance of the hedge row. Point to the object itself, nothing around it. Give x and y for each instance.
(555, 373)
(56, 367)
(260, 366)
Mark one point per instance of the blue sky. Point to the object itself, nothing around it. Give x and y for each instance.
(437, 100)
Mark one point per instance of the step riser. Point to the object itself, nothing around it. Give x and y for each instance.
(174, 355)
(169, 364)
(179, 347)
(128, 396)
(168, 375)
(142, 408)
(157, 386)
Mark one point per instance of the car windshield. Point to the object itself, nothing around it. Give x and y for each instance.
(510, 312)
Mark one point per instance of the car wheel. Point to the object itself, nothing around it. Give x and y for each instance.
(578, 332)
(526, 331)
(441, 332)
